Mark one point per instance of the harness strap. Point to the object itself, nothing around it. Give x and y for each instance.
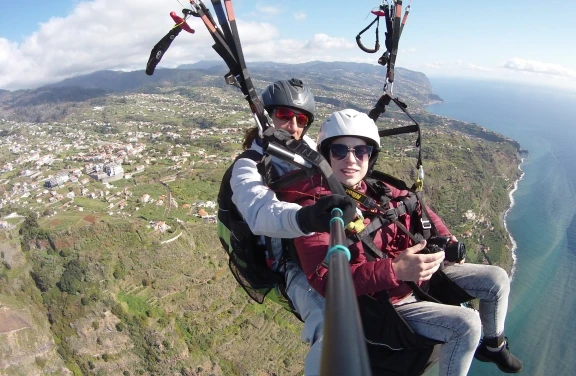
(266, 169)
(419, 293)
(367, 202)
(380, 108)
(395, 41)
(393, 181)
(377, 44)
(228, 46)
(366, 237)
(221, 47)
(428, 227)
(311, 160)
(223, 21)
(374, 253)
(288, 180)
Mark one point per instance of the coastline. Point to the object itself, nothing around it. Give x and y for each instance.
(512, 240)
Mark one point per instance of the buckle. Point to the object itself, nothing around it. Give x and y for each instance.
(391, 214)
(401, 210)
(425, 224)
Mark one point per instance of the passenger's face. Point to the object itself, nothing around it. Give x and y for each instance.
(292, 121)
(351, 168)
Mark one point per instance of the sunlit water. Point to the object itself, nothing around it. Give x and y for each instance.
(541, 321)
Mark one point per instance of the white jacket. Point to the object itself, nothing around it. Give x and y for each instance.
(258, 204)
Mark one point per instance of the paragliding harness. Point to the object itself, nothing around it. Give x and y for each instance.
(393, 347)
(251, 260)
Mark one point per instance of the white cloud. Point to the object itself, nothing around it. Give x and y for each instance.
(457, 65)
(534, 66)
(119, 35)
(300, 16)
(110, 34)
(268, 9)
(437, 65)
(322, 42)
(478, 68)
(102, 34)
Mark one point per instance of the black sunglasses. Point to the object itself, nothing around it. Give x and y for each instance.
(340, 151)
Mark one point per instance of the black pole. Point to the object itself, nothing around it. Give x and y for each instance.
(344, 350)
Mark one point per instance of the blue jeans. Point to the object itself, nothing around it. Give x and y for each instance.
(310, 306)
(459, 327)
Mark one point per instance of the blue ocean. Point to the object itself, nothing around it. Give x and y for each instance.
(541, 321)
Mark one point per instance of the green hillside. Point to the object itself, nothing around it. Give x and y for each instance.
(126, 277)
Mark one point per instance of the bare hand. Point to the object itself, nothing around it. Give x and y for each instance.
(411, 266)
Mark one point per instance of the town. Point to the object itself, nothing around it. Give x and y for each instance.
(83, 166)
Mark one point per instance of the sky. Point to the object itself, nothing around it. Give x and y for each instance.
(42, 42)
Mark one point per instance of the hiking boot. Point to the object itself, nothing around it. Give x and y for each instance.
(503, 358)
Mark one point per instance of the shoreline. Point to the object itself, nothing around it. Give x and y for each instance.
(512, 202)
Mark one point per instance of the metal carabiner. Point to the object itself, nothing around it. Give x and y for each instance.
(388, 85)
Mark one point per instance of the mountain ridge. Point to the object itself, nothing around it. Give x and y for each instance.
(325, 79)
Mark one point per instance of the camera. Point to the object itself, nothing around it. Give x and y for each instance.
(455, 252)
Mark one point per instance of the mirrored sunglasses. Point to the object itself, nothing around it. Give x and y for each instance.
(287, 114)
(361, 152)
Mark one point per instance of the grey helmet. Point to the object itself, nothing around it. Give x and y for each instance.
(291, 94)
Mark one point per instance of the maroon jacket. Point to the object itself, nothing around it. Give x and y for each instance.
(368, 276)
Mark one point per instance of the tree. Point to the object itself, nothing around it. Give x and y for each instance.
(41, 279)
(72, 277)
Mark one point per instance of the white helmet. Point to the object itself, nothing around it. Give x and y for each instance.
(349, 122)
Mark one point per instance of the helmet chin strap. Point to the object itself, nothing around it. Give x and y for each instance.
(305, 130)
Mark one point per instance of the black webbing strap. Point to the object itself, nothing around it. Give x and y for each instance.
(266, 169)
(228, 46)
(223, 21)
(380, 108)
(314, 161)
(366, 237)
(220, 46)
(396, 131)
(376, 44)
(288, 180)
(367, 202)
(395, 41)
(392, 214)
(393, 181)
(428, 227)
(374, 253)
(250, 92)
(389, 28)
(419, 139)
